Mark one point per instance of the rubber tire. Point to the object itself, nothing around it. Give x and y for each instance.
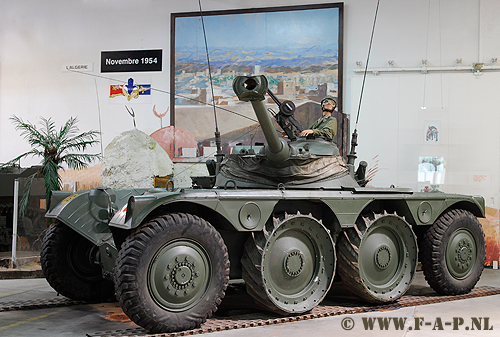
(351, 253)
(433, 252)
(137, 255)
(67, 267)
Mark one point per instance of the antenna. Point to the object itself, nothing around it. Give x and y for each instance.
(351, 157)
(99, 111)
(219, 154)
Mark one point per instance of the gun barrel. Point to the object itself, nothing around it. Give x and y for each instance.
(273, 141)
(253, 89)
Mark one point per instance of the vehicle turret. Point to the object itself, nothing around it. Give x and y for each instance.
(294, 161)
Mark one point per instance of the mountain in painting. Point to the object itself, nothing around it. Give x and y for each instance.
(228, 59)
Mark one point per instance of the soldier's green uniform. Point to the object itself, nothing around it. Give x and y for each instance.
(326, 127)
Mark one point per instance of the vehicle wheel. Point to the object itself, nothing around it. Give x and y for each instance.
(378, 257)
(70, 265)
(172, 273)
(453, 252)
(289, 266)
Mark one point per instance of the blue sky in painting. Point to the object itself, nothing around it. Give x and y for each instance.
(288, 29)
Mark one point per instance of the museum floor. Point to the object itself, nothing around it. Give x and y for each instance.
(478, 316)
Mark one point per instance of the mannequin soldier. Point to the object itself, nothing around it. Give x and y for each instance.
(326, 126)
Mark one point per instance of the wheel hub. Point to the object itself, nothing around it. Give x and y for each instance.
(383, 257)
(294, 263)
(464, 254)
(461, 253)
(179, 275)
(83, 260)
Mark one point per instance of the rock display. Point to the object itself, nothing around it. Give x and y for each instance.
(132, 160)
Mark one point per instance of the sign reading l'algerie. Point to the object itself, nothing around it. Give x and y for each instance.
(131, 61)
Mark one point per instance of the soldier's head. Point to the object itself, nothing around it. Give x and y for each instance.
(328, 104)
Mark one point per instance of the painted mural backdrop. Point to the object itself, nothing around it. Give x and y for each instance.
(298, 51)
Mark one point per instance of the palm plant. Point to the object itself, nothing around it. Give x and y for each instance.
(56, 148)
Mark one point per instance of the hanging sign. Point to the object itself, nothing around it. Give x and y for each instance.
(78, 67)
(131, 61)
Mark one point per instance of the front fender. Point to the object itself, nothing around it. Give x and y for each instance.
(77, 212)
(87, 218)
(138, 207)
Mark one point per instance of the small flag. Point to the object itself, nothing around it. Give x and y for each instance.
(129, 90)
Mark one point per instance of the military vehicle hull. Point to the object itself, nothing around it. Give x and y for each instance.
(303, 237)
(33, 223)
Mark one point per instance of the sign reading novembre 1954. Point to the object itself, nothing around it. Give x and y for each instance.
(131, 61)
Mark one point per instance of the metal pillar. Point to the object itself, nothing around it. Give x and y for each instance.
(13, 261)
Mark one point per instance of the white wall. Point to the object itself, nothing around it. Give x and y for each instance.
(38, 37)
(391, 124)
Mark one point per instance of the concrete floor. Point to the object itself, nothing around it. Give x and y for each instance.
(436, 319)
